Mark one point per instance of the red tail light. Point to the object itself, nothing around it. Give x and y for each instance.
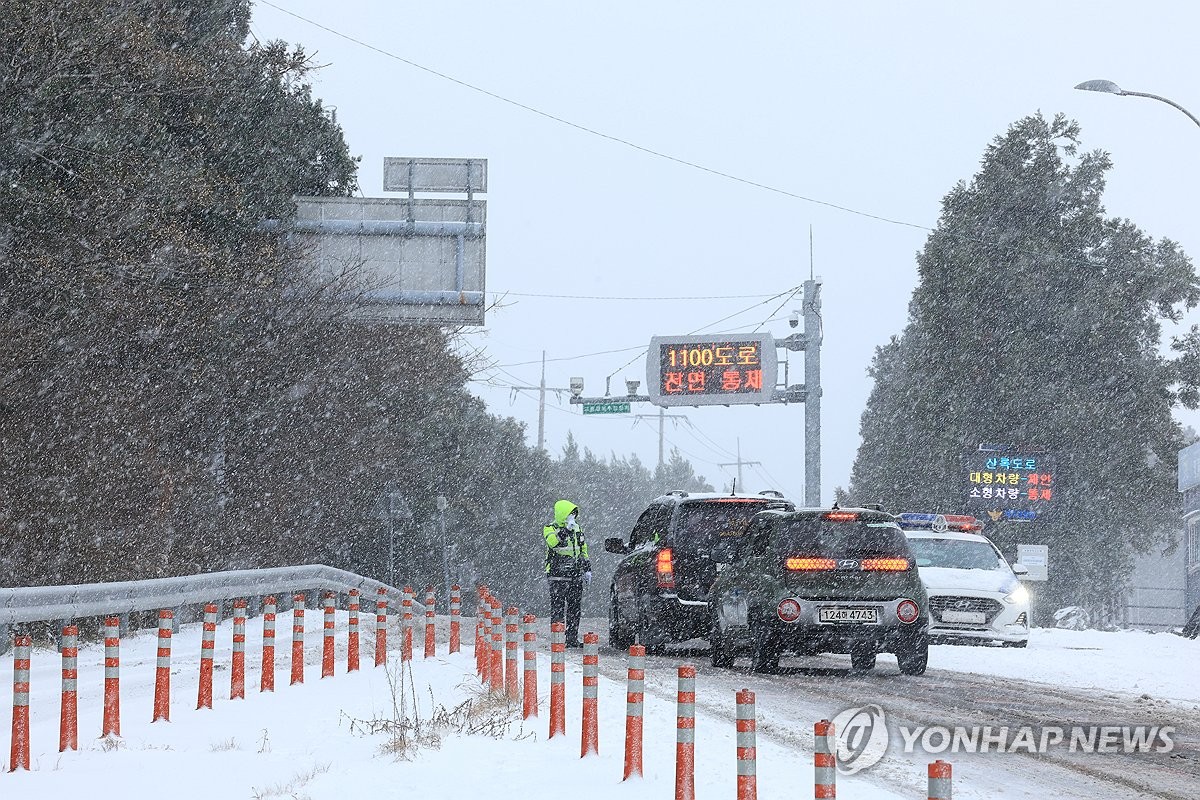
(664, 566)
(907, 611)
(885, 564)
(809, 564)
(840, 516)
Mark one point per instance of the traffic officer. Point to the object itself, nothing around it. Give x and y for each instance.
(568, 567)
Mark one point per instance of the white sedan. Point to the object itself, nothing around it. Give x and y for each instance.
(974, 595)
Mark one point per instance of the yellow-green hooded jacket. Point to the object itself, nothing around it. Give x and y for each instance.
(566, 550)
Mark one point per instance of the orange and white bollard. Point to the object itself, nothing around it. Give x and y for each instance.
(352, 638)
(19, 755)
(406, 625)
(267, 678)
(381, 627)
(824, 760)
(685, 735)
(529, 706)
(111, 722)
(635, 695)
(939, 780)
(496, 662)
(480, 625)
(237, 666)
(455, 618)
(512, 689)
(558, 678)
(747, 756)
(327, 642)
(483, 649)
(162, 677)
(430, 630)
(208, 643)
(68, 720)
(297, 639)
(590, 737)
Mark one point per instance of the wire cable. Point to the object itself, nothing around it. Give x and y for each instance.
(675, 159)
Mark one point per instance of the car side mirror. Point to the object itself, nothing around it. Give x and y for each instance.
(615, 544)
(1020, 569)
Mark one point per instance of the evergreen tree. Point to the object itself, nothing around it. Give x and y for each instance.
(1037, 321)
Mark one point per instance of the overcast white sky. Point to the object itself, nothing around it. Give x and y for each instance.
(876, 106)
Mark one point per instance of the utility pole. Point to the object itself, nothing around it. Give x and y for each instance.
(739, 464)
(812, 397)
(542, 406)
(541, 389)
(661, 416)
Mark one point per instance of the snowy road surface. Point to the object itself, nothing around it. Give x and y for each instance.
(315, 741)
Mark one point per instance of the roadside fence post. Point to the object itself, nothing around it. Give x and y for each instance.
(68, 721)
(529, 707)
(455, 618)
(381, 627)
(685, 735)
(939, 780)
(511, 681)
(327, 643)
(558, 676)
(635, 694)
(297, 639)
(496, 672)
(406, 625)
(747, 756)
(208, 643)
(824, 760)
(111, 723)
(481, 617)
(19, 755)
(162, 678)
(430, 618)
(237, 668)
(267, 678)
(590, 738)
(352, 638)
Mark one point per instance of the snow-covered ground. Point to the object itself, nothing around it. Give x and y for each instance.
(314, 740)
(1162, 665)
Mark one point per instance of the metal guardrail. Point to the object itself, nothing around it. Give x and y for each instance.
(38, 603)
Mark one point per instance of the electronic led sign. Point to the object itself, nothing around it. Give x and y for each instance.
(711, 370)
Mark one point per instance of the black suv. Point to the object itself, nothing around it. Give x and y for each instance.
(820, 581)
(660, 589)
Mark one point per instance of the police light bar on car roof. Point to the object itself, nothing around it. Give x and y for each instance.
(939, 522)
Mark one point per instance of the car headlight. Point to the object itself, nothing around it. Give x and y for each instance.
(1017, 595)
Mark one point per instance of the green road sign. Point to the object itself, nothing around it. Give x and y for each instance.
(606, 408)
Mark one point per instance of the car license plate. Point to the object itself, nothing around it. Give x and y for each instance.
(969, 617)
(834, 614)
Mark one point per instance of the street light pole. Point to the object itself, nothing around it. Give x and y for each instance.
(442, 505)
(1111, 88)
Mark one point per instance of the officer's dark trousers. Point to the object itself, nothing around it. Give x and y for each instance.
(565, 596)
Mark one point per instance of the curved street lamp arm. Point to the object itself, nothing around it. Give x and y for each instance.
(1191, 116)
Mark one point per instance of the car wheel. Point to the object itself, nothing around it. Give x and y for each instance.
(723, 653)
(766, 649)
(617, 637)
(862, 657)
(1022, 643)
(913, 656)
(646, 635)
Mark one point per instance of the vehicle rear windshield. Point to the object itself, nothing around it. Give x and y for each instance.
(825, 539)
(705, 524)
(955, 554)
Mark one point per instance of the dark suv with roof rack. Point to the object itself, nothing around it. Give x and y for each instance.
(821, 581)
(659, 592)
